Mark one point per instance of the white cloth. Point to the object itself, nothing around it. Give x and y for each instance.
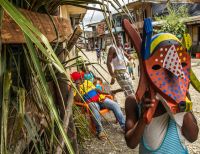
(154, 132)
(120, 61)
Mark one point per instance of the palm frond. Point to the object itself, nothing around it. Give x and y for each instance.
(48, 96)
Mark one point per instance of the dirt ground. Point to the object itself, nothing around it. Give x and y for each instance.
(116, 143)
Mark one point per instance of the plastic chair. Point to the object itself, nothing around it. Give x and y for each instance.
(86, 110)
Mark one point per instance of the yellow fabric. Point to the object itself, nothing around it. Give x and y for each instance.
(188, 105)
(161, 38)
(101, 97)
(74, 93)
(187, 40)
(86, 87)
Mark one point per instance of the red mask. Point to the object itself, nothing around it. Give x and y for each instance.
(168, 69)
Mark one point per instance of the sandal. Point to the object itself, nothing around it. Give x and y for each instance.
(102, 136)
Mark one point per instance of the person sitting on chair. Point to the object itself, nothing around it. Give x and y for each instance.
(88, 74)
(96, 100)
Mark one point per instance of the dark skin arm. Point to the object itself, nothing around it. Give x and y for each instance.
(116, 91)
(97, 78)
(101, 92)
(190, 128)
(111, 55)
(77, 98)
(134, 126)
(127, 55)
(134, 64)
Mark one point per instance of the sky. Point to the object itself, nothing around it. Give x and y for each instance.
(96, 16)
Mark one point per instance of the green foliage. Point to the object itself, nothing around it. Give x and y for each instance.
(34, 124)
(81, 124)
(174, 21)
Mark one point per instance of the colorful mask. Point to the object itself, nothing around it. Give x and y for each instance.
(168, 69)
(164, 66)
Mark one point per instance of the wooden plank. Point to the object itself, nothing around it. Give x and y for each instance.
(11, 32)
(73, 39)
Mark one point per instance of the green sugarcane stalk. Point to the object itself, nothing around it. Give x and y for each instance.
(4, 113)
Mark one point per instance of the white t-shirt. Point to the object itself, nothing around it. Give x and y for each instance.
(154, 132)
(120, 61)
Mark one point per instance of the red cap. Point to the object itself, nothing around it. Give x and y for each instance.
(77, 75)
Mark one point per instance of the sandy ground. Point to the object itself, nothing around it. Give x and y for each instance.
(116, 143)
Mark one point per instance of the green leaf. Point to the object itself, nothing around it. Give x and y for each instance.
(48, 96)
(4, 113)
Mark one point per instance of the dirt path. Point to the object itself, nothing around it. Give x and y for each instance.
(116, 143)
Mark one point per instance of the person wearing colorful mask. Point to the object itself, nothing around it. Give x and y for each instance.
(167, 66)
(96, 100)
(163, 134)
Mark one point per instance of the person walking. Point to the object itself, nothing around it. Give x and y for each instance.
(118, 58)
(131, 66)
(98, 52)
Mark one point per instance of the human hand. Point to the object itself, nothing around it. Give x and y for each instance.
(77, 85)
(113, 92)
(112, 81)
(129, 58)
(147, 103)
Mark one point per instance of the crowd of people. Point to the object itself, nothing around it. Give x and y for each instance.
(162, 135)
